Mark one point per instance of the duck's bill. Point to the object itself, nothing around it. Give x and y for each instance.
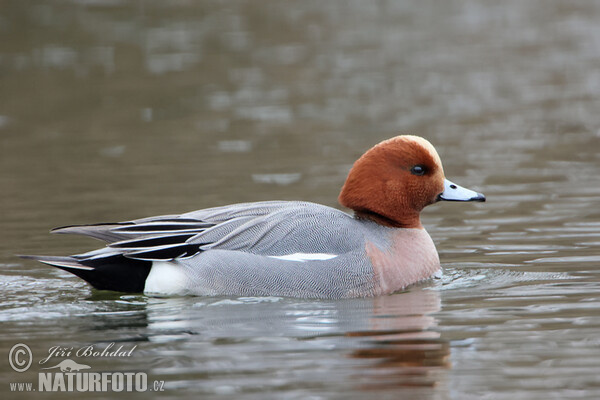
(454, 192)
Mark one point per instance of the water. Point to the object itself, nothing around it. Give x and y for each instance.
(119, 110)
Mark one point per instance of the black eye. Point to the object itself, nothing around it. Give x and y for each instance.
(418, 170)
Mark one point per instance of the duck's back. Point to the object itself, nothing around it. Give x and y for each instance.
(295, 249)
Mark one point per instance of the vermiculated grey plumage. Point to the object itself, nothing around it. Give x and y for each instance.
(231, 249)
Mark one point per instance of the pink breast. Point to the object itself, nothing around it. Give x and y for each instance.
(411, 257)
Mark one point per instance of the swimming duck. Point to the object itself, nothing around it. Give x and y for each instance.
(284, 248)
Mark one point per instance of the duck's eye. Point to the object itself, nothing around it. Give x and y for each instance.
(418, 170)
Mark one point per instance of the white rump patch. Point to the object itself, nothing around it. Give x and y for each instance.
(303, 257)
(166, 279)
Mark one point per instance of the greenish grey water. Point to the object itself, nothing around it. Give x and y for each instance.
(119, 110)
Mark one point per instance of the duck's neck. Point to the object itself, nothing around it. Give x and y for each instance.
(410, 222)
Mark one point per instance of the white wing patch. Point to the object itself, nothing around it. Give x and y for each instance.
(303, 257)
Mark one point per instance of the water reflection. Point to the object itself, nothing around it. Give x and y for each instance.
(403, 344)
(397, 344)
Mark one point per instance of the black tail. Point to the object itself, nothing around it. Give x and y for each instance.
(116, 272)
(124, 265)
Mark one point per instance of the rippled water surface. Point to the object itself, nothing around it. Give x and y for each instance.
(113, 110)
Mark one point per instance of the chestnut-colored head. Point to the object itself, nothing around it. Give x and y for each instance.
(392, 182)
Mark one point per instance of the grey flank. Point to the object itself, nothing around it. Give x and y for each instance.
(230, 250)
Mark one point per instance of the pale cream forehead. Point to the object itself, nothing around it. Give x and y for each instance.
(424, 143)
(427, 146)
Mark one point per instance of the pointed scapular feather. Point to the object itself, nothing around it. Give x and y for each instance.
(98, 231)
(165, 253)
(162, 227)
(75, 228)
(152, 241)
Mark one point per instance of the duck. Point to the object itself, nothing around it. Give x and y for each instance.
(284, 248)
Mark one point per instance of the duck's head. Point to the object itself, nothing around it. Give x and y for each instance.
(392, 182)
